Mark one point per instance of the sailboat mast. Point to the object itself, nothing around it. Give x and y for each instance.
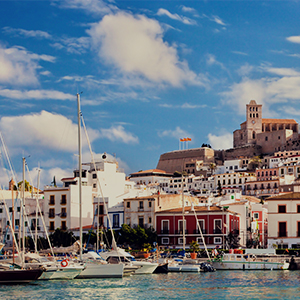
(183, 219)
(23, 210)
(36, 210)
(80, 173)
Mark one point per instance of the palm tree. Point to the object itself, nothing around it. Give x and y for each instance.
(212, 167)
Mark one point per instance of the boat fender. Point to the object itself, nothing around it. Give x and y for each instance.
(64, 263)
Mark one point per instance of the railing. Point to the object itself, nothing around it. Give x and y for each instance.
(217, 231)
(164, 231)
(63, 215)
(197, 231)
(33, 228)
(63, 202)
(51, 202)
(282, 233)
(141, 209)
(51, 215)
(181, 231)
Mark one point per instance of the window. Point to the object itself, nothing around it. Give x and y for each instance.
(63, 199)
(165, 226)
(180, 241)
(94, 175)
(282, 229)
(217, 226)
(199, 241)
(128, 204)
(217, 240)
(1, 210)
(63, 213)
(52, 200)
(180, 226)
(298, 229)
(266, 138)
(17, 222)
(150, 204)
(282, 208)
(149, 220)
(116, 222)
(298, 208)
(51, 227)
(141, 221)
(63, 225)
(10, 209)
(165, 241)
(94, 185)
(51, 213)
(128, 221)
(141, 205)
(101, 221)
(255, 216)
(201, 224)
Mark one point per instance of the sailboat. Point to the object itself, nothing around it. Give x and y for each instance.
(94, 267)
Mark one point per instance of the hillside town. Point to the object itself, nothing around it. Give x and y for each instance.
(249, 193)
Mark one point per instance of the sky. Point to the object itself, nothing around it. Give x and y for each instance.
(148, 72)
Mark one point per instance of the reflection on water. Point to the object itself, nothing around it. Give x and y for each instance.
(218, 285)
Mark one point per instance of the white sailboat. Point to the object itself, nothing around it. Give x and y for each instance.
(94, 268)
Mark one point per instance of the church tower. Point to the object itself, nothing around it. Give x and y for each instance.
(253, 121)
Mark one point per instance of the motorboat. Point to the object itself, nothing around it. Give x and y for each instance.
(144, 267)
(97, 267)
(250, 260)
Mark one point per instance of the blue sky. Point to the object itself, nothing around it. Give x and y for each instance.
(151, 72)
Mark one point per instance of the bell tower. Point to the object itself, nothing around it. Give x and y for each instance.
(253, 121)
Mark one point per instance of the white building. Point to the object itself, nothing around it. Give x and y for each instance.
(284, 221)
(61, 207)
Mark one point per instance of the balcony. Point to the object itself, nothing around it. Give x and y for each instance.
(33, 228)
(63, 215)
(165, 231)
(51, 215)
(181, 231)
(218, 231)
(63, 202)
(282, 234)
(197, 231)
(141, 209)
(51, 202)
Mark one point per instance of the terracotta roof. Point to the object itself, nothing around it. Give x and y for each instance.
(197, 209)
(279, 121)
(287, 196)
(68, 178)
(150, 172)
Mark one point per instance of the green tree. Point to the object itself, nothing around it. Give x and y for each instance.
(62, 238)
(28, 187)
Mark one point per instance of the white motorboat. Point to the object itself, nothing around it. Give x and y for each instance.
(180, 266)
(249, 261)
(96, 267)
(144, 267)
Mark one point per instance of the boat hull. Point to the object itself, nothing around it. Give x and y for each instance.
(66, 273)
(229, 265)
(18, 276)
(98, 270)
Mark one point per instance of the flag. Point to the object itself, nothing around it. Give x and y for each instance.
(182, 140)
(188, 139)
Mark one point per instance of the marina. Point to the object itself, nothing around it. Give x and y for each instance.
(216, 285)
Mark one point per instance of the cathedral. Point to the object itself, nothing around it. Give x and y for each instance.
(271, 134)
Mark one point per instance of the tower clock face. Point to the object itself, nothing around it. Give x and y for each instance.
(253, 122)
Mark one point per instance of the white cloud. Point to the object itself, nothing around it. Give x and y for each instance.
(17, 67)
(189, 9)
(27, 33)
(224, 141)
(44, 130)
(294, 39)
(283, 71)
(184, 20)
(211, 60)
(177, 133)
(35, 94)
(135, 45)
(285, 86)
(97, 7)
(183, 106)
(245, 70)
(72, 44)
(218, 20)
(118, 133)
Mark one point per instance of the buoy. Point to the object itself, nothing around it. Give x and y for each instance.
(64, 263)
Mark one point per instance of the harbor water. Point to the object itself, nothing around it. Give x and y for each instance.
(216, 285)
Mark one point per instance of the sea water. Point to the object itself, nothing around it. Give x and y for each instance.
(218, 285)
